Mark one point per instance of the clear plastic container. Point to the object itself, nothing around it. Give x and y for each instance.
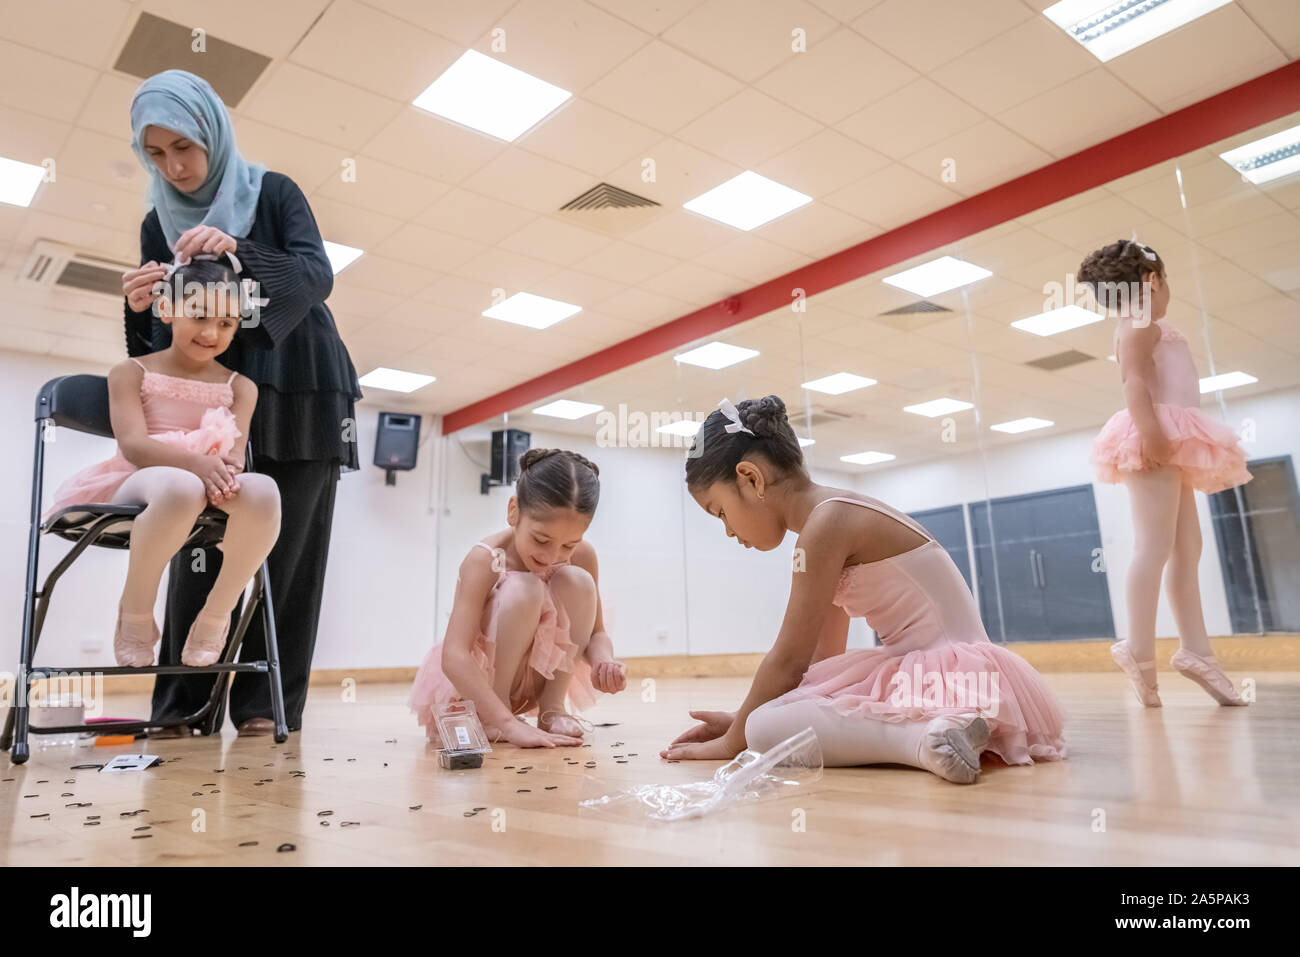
(56, 710)
(464, 742)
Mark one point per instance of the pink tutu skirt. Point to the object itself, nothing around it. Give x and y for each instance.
(1025, 719)
(98, 484)
(1206, 450)
(551, 651)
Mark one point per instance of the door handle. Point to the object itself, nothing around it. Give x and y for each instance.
(1042, 573)
(1033, 567)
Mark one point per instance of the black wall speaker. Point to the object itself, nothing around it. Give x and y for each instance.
(507, 446)
(397, 440)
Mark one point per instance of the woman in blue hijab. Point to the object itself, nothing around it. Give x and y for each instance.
(206, 198)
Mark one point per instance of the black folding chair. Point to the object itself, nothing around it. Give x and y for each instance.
(80, 402)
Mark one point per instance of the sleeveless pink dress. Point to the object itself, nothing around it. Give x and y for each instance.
(551, 651)
(183, 412)
(1206, 450)
(935, 657)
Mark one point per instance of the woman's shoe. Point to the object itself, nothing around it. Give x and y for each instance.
(1143, 687)
(952, 745)
(206, 640)
(134, 639)
(1208, 673)
(254, 727)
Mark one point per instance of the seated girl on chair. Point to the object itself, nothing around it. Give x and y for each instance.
(181, 421)
(526, 629)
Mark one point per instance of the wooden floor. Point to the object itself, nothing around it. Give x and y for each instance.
(1191, 783)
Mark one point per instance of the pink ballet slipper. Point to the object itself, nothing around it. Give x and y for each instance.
(206, 640)
(561, 722)
(1208, 673)
(131, 647)
(951, 747)
(1144, 689)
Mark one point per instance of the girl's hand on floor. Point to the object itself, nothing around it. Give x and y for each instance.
(523, 735)
(713, 724)
(609, 676)
(716, 750)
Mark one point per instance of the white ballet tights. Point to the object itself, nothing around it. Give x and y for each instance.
(1167, 539)
(845, 741)
(173, 499)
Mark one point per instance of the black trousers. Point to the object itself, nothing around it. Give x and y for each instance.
(296, 567)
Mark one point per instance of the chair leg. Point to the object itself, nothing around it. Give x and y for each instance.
(272, 657)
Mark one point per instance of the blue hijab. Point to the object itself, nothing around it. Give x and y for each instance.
(187, 104)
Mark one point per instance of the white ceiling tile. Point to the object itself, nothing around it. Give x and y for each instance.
(753, 259)
(87, 31)
(893, 196)
(625, 263)
(358, 303)
(1054, 121)
(343, 43)
(426, 144)
(74, 198)
(682, 234)
(747, 38)
(456, 20)
(1278, 19)
(388, 275)
(378, 186)
(1239, 242)
(579, 288)
(474, 216)
(653, 18)
(552, 240)
(890, 126)
(698, 285)
(108, 108)
(61, 100)
(978, 158)
(817, 230)
(431, 248)
(823, 163)
(106, 160)
(458, 292)
(278, 26)
(748, 129)
(320, 107)
(528, 180)
(351, 225)
(836, 76)
(661, 87)
(928, 33)
(676, 173)
(29, 138)
(500, 268)
(642, 305)
(308, 163)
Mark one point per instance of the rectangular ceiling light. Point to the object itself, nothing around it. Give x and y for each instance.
(1107, 29)
(486, 95)
(804, 443)
(716, 355)
(1226, 380)
(340, 256)
(839, 383)
(936, 276)
(535, 312)
(1267, 159)
(1027, 424)
(866, 458)
(1057, 320)
(19, 181)
(937, 407)
(686, 427)
(567, 409)
(747, 201)
(395, 380)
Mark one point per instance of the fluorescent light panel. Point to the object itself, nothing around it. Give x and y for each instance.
(684, 427)
(1027, 424)
(535, 312)
(1108, 29)
(1057, 320)
(340, 256)
(938, 275)
(938, 407)
(839, 383)
(1270, 158)
(804, 443)
(395, 380)
(491, 97)
(866, 458)
(716, 355)
(19, 181)
(567, 409)
(747, 201)
(1226, 380)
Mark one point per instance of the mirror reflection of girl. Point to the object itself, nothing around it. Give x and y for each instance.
(1163, 448)
(526, 628)
(861, 558)
(181, 423)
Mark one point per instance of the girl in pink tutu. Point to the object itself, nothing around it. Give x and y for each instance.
(180, 420)
(1162, 447)
(935, 694)
(526, 629)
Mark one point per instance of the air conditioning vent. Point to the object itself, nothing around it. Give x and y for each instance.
(921, 305)
(156, 44)
(54, 266)
(611, 210)
(605, 196)
(1061, 360)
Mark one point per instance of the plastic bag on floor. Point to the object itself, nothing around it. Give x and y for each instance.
(751, 776)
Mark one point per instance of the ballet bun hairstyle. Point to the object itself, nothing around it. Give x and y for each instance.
(211, 273)
(557, 478)
(1123, 262)
(715, 453)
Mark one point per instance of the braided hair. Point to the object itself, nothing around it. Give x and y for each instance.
(715, 452)
(557, 478)
(1124, 263)
(211, 274)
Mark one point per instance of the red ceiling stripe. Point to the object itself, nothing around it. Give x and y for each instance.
(1233, 111)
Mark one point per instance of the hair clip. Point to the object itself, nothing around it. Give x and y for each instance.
(1147, 251)
(733, 418)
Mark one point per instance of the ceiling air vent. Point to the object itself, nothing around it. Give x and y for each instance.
(1061, 360)
(611, 210)
(156, 44)
(817, 416)
(54, 266)
(921, 305)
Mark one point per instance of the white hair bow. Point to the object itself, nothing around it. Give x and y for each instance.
(1146, 250)
(247, 286)
(733, 417)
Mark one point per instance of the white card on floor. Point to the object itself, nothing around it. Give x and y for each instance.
(131, 762)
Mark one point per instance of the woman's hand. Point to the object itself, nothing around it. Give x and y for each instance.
(713, 724)
(608, 675)
(138, 285)
(719, 749)
(219, 481)
(524, 735)
(203, 239)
